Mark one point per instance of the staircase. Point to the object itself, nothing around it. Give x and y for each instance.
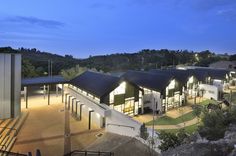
(9, 129)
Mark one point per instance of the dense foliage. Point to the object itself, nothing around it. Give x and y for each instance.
(215, 123)
(171, 140)
(35, 62)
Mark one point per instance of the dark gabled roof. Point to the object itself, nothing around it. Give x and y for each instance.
(218, 73)
(97, 84)
(213, 73)
(180, 75)
(157, 82)
(43, 80)
(199, 74)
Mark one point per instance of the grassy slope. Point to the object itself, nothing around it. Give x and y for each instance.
(166, 120)
(189, 129)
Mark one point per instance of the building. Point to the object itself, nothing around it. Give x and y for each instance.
(161, 91)
(229, 65)
(186, 78)
(105, 101)
(10, 85)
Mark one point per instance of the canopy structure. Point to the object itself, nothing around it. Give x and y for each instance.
(45, 81)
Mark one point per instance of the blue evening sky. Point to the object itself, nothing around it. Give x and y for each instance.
(93, 27)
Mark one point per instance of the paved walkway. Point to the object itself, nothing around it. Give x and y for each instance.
(44, 129)
(178, 126)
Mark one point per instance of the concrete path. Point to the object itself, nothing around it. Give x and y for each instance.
(44, 129)
(178, 126)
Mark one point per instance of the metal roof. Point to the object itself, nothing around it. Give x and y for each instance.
(97, 84)
(180, 75)
(154, 81)
(43, 80)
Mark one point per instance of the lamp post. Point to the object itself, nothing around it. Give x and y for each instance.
(153, 118)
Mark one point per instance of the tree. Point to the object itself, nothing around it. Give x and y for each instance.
(143, 132)
(28, 70)
(214, 125)
(197, 110)
(168, 140)
(73, 72)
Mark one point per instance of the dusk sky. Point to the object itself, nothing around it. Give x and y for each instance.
(94, 27)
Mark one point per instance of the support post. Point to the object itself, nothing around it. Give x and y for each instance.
(44, 91)
(26, 97)
(48, 94)
(90, 113)
(67, 140)
(56, 90)
(76, 108)
(66, 98)
(62, 93)
(72, 106)
(80, 111)
(24, 93)
(69, 102)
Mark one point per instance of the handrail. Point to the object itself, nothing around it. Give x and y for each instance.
(11, 153)
(110, 124)
(89, 152)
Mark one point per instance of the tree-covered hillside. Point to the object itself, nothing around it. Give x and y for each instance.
(35, 62)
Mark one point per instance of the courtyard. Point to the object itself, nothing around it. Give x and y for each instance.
(44, 128)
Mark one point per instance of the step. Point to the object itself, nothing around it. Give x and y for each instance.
(9, 130)
(8, 136)
(4, 125)
(9, 145)
(23, 117)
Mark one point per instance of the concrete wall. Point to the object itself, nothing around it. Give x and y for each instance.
(122, 124)
(210, 91)
(10, 85)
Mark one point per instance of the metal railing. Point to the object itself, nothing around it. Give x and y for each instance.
(119, 125)
(11, 153)
(89, 153)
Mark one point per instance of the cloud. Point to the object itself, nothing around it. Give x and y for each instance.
(211, 4)
(228, 14)
(34, 21)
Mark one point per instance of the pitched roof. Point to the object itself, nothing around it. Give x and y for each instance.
(213, 73)
(180, 75)
(43, 80)
(200, 75)
(157, 82)
(98, 84)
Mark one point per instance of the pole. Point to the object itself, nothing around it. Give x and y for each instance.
(153, 118)
(51, 68)
(48, 94)
(67, 140)
(48, 68)
(26, 97)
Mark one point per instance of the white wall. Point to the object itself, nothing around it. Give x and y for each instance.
(219, 84)
(122, 124)
(210, 91)
(5, 86)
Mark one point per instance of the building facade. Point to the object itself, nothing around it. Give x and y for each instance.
(10, 85)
